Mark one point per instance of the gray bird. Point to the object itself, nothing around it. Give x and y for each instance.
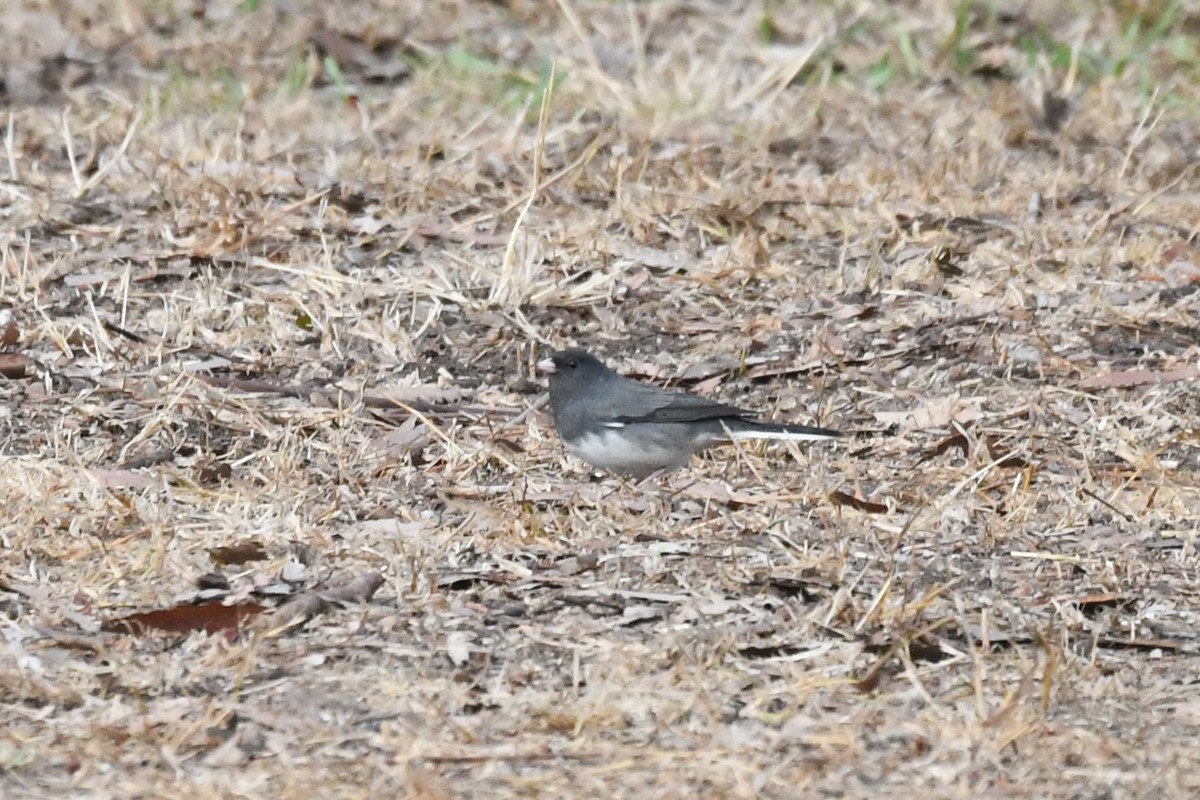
(633, 428)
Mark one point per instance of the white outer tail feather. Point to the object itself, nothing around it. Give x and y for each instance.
(780, 435)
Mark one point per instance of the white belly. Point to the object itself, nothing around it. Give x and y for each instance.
(616, 450)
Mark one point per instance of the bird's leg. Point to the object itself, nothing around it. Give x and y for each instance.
(637, 483)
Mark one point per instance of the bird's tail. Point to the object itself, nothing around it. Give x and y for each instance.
(749, 429)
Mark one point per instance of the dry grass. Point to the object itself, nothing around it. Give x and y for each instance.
(280, 277)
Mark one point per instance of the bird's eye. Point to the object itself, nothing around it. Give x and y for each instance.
(572, 364)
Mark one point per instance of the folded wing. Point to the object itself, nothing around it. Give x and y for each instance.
(650, 404)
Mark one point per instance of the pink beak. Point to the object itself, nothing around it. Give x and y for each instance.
(546, 365)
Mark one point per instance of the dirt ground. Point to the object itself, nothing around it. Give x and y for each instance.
(284, 513)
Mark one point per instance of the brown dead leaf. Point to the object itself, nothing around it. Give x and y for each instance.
(873, 677)
(239, 553)
(9, 332)
(839, 498)
(958, 440)
(213, 582)
(15, 366)
(214, 473)
(212, 617)
(1003, 456)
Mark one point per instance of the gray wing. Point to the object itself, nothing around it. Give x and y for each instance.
(639, 402)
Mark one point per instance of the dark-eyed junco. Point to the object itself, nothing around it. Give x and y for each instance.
(633, 428)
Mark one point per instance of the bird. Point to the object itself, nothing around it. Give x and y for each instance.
(636, 429)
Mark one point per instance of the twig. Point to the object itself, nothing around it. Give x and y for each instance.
(117, 329)
(1105, 503)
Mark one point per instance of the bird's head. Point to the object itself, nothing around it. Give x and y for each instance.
(572, 364)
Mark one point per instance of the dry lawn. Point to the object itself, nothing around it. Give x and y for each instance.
(273, 277)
